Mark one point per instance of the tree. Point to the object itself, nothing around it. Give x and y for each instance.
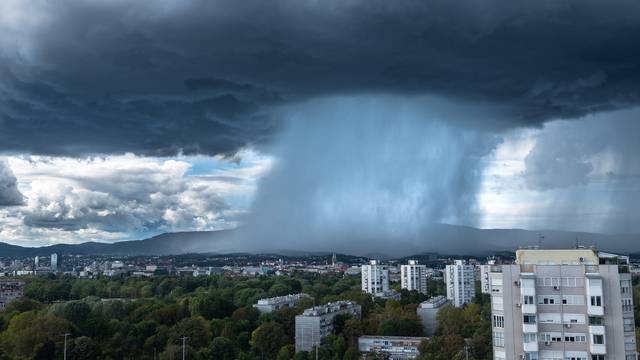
(286, 352)
(30, 330)
(222, 349)
(268, 338)
(83, 348)
(195, 328)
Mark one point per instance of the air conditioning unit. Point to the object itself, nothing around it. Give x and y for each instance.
(547, 343)
(518, 305)
(567, 326)
(556, 288)
(516, 283)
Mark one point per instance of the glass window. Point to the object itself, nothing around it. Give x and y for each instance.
(595, 320)
(598, 339)
(529, 319)
(498, 338)
(596, 301)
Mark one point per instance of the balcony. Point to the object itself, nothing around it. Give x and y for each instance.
(595, 310)
(529, 309)
(529, 328)
(530, 346)
(598, 349)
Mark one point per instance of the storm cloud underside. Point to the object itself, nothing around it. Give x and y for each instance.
(195, 76)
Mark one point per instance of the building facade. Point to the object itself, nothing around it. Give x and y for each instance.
(315, 323)
(10, 291)
(54, 261)
(413, 277)
(485, 269)
(391, 347)
(280, 302)
(574, 304)
(428, 313)
(459, 279)
(375, 278)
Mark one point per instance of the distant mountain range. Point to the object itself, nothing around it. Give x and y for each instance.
(444, 239)
(164, 244)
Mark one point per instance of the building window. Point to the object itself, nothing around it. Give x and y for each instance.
(625, 286)
(530, 337)
(628, 324)
(498, 321)
(529, 319)
(595, 320)
(598, 339)
(573, 300)
(627, 305)
(597, 357)
(528, 300)
(498, 338)
(596, 301)
(547, 300)
(575, 338)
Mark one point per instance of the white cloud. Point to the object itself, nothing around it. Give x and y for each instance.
(569, 175)
(122, 197)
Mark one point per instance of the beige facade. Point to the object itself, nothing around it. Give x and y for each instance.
(562, 304)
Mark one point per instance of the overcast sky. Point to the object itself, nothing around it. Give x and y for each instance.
(122, 120)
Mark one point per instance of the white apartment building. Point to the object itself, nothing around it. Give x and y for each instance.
(54, 261)
(413, 277)
(315, 323)
(375, 278)
(391, 347)
(570, 304)
(428, 313)
(280, 302)
(459, 279)
(484, 276)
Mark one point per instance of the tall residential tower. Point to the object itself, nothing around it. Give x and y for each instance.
(572, 304)
(414, 277)
(375, 278)
(459, 279)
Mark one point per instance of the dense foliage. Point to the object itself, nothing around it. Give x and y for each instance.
(139, 318)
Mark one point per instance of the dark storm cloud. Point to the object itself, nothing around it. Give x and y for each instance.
(202, 76)
(9, 193)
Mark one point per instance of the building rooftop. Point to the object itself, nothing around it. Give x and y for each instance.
(579, 256)
(434, 302)
(418, 338)
(283, 299)
(328, 308)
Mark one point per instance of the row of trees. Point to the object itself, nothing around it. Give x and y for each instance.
(135, 318)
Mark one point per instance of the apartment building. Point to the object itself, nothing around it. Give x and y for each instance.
(570, 304)
(413, 277)
(428, 313)
(315, 323)
(390, 347)
(460, 282)
(375, 278)
(280, 302)
(10, 291)
(485, 269)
